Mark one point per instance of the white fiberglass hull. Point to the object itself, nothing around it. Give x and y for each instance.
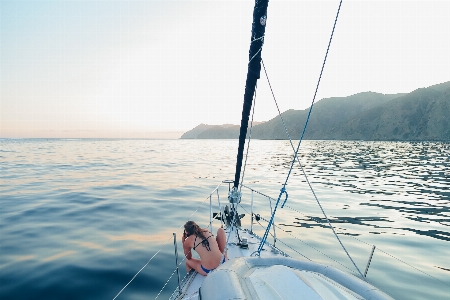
(273, 275)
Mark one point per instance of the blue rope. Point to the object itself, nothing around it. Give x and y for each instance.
(283, 189)
(266, 233)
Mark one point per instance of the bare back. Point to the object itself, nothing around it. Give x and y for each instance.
(209, 251)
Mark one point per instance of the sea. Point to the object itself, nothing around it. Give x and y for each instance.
(97, 218)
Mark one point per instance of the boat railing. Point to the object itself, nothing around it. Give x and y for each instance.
(167, 241)
(373, 259)
(291, 244)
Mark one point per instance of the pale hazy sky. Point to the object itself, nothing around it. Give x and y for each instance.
(133, 68)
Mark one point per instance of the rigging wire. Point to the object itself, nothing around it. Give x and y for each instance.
(276, 103)
(262, 226)
(272, 199)
(283, 189)
(359, 240)
(307, 245)
(260, 38)
(245, 163)
(249, 137)
(279, 240)
(170, 277)
(141, 269)
(338, 231)
(260, 49)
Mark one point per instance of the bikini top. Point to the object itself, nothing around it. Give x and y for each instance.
(205, 242)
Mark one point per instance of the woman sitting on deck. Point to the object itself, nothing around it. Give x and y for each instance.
(209, 248)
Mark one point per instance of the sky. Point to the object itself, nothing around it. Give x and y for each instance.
(155, 69)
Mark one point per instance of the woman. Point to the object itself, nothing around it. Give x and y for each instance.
(209, 248)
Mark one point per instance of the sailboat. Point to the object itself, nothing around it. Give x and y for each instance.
(257, 269)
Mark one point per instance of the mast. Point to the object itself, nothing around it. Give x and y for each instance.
(254, 68)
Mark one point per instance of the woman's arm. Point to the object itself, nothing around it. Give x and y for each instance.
(186, 247)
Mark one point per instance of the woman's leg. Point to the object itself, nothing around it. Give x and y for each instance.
(195, 264)
(221, 239)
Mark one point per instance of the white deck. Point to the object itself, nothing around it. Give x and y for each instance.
(272, 275)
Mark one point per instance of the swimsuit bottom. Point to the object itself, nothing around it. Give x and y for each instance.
(207, 270)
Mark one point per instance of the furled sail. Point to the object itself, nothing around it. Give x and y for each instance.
(254, 68)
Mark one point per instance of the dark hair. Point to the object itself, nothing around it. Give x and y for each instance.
(192, 228)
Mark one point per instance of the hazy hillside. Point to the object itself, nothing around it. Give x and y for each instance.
(326, 114)
(226, 131)
(193, 133)
(420, 115)
(221, 132)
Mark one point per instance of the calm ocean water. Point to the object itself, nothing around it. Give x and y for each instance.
(79, 218)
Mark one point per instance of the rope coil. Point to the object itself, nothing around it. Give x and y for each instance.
(283, 191)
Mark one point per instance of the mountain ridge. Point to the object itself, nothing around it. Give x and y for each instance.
(416, 116)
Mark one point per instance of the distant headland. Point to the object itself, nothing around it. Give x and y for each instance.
(422, 115)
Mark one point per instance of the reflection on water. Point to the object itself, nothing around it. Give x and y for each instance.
(142, 238)
(91, 245)
(58, 256)
(393, 195)
(392, 171)
(365, 221)
(81, 217)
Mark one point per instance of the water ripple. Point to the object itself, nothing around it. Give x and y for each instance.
(80, 217)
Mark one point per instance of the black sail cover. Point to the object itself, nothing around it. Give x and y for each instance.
(253, 73)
